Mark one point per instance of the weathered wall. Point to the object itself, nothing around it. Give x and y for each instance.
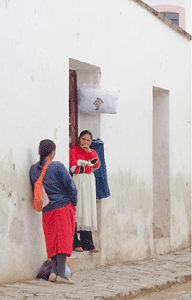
(122, 45)
(33, 107)
(154, 67)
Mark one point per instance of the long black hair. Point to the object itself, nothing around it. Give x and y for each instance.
(45, 148)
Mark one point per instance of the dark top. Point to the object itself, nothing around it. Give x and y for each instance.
(58, 184)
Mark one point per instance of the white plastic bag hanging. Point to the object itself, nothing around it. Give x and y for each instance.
(98, 100)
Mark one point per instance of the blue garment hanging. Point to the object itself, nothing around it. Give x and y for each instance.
(102, 188)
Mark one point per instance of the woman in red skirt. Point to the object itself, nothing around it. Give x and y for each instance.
(59, 214)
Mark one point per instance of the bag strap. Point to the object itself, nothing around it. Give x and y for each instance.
(44, 170)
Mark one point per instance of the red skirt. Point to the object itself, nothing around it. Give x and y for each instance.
(59, 229)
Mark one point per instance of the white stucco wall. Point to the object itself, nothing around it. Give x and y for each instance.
(186, 4)
(122, 45)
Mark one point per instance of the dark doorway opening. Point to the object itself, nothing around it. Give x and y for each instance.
(73, 109)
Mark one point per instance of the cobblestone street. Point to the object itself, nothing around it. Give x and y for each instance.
(176, 292)
(119, 281)
(112, 282)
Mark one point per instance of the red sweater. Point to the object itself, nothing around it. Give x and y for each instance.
(76, 154)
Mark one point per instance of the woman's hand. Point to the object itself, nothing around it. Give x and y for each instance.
(86, 148)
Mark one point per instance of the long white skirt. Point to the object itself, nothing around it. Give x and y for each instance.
(86, 210)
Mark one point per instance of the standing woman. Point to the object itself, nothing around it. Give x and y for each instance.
(83, 162)
(59, 214)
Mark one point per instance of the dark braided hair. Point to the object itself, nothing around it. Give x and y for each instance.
(86, 132)
(45, 148)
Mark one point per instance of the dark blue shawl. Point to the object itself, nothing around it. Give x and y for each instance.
(102, 188)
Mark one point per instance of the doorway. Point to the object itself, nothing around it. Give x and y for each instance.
(161, 169)
(73, 109)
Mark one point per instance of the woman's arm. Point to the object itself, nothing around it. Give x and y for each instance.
(68, 184)
(74, 168)
(91, 156)
(94, 160)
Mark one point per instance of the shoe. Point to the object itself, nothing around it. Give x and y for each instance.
(64, 280)
(94, 250)
(52, 277)
(78, 249)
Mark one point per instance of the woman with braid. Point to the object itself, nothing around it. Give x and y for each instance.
(83, 162)
(59, 215)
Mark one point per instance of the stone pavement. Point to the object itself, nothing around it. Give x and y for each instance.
(119, 281)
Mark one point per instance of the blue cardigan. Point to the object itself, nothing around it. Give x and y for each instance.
(58, 183)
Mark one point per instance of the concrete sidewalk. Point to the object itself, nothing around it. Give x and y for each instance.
(114, 282)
